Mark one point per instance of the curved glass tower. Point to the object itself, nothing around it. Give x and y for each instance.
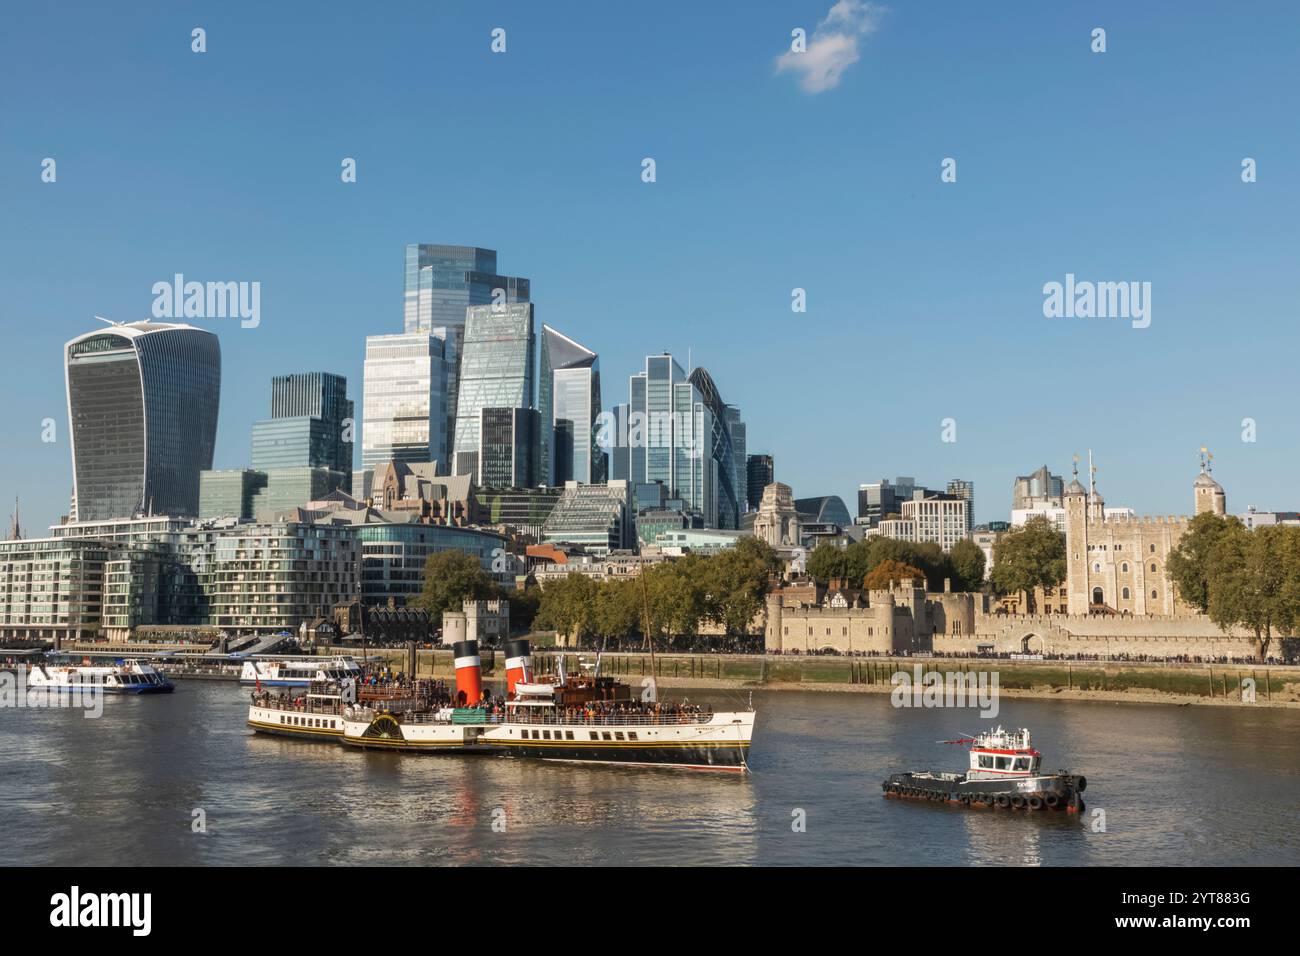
(142, 411)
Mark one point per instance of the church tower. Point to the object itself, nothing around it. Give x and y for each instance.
(1209, 493)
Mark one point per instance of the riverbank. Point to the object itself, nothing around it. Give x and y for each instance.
(1119, 681)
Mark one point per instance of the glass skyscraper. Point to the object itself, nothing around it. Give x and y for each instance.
(497, 371)
(681, 435)
(441, 282)
(142, 412)
(568, 397)
(403, 400)
(508, 448)
(309, 427)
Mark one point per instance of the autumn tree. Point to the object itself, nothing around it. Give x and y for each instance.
(890, 572)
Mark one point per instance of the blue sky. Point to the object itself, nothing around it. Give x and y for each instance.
(924, 298)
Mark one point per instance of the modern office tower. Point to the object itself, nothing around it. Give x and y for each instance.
(310, 426)
(1040, 488)
(635, 437)
(405, 388)
(497, 370)
(761, 473)
(965, 490)
(680, 433)
(739, 459)
(713, 472)
(230, 492)
(568, 397)
(142, 410)
(441, 283)
(596, 517)
(939, 518)
(518, 510)
(508, 447)
(884, 499)
(613, 442)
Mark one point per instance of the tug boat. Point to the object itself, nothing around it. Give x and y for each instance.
(1004, 773)
(298, 672)
(124, 677)
(585, 718)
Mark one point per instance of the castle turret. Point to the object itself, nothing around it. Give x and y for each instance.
(1209, 493)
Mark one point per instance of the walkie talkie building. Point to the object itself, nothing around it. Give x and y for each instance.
(142, 411)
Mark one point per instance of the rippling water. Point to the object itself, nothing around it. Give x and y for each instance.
(1179, 786)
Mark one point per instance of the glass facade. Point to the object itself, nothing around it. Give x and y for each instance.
(441, 282)
(229, 492)
(310, 425)
(761, 473)
(300, 442)
(521, 510)
(496, 368)
(676, 430)
(508, 447)
(288, 488)
(568, 393)
(142, 411)
(596, 517)
(393, 556)
(404, 390)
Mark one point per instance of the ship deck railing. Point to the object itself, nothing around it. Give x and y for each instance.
(577, 720)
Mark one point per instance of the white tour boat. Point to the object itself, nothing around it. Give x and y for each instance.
(297, 671)
(122, 677)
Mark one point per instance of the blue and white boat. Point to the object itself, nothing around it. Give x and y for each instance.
(122, 677)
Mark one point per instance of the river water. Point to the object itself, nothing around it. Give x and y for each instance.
(1177, 786)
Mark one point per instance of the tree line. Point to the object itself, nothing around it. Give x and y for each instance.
(857, 564)
(726, 589)
(1240, 578)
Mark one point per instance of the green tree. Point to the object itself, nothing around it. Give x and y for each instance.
(618, 609)
(523, 606)
(450, 579)
(677, 596)
(828, 562)
(735, 582)
(1189, 564)
(967, 559)
(1027, 557)
(1250, 581)
(568, 606)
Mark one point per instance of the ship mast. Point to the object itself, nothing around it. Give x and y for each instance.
(645, 610)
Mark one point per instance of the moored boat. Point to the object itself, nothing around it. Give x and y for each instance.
(121, 677)
(297, 672)
(1005, 772)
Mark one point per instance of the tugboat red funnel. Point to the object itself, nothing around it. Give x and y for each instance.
(519, 665)
(469, 678)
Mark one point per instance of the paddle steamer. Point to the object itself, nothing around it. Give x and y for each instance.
(587, 718)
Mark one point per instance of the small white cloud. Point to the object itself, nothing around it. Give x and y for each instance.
(833, 46)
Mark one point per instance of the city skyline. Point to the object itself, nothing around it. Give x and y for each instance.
(949, 272)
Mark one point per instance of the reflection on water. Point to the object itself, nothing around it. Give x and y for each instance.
(1179, 786)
